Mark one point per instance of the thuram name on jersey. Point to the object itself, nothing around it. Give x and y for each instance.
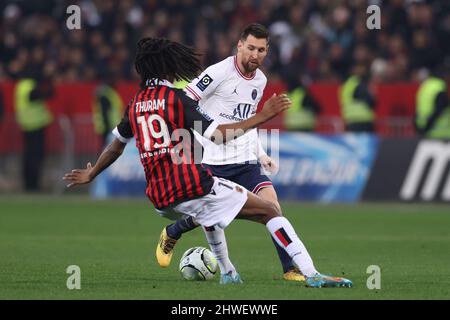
(150, 105)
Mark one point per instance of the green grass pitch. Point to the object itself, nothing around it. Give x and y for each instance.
(113, 242)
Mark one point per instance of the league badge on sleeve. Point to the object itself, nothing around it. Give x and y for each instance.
(204, 82)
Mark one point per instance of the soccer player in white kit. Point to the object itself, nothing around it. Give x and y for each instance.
(228, 92)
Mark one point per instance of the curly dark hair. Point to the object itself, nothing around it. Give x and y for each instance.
(159, 58)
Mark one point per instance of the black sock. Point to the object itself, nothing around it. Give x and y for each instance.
(285, 260)
(175, 230)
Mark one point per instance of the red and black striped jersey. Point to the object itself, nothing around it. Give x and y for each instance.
(161, 119)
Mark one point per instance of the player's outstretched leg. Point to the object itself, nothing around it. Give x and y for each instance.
(286, 236)
(262, 211)
(218, 244)
(168, 238)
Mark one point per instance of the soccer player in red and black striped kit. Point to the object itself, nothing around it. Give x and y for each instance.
(161, 118)
(155, 116)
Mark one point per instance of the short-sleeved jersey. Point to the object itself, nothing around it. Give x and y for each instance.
(227, 96)
(160, 118)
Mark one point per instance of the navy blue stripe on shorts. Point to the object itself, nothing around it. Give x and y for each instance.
(248, 175)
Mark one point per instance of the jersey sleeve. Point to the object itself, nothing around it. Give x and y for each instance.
(206, 83)
(195, 119)
(123, 131)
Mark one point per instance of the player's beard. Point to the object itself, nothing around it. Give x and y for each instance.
(250, 67)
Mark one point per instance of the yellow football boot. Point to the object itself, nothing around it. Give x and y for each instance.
(164, 249)
(294, 275)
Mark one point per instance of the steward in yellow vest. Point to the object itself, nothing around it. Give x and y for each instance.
(433, 109)
(107, 110)
(30, 107)
(357, 103)
(301, 116)
(33, 117)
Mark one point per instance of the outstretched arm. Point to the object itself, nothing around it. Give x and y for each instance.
(82, 176)
(226, 132)
(201, 122)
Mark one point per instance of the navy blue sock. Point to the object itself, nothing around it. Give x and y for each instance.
(175, 230)
(285, 260)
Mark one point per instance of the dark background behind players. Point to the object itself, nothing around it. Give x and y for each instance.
(314, 42)
(322, 40)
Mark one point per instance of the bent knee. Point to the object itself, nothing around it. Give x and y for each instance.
(274, 208)
(273, 211)
(278, 207)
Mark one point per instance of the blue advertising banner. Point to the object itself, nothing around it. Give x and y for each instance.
(125, 177)
(324, 168)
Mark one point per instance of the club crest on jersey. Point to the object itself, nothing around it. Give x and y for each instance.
(204, 82)
(254, 94)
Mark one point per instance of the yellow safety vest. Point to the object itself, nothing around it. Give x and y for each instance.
(353, 110)
(297, 117)
(114, 113)
(426, 97)
(30, 114)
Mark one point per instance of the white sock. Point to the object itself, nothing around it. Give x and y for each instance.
(218, 244)
(284, 234)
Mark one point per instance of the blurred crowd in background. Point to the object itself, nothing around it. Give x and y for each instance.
(318, 39)
(311, 42)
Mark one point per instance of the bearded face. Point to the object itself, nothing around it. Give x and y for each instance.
(251, 53)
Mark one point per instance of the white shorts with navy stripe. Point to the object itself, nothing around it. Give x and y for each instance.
(219, 207)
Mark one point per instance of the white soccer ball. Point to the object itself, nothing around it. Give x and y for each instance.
(198, 263)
